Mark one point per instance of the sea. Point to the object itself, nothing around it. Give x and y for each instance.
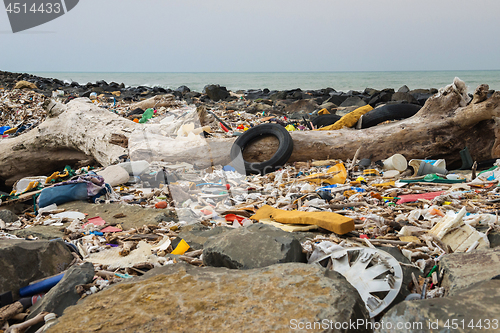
(340, 81)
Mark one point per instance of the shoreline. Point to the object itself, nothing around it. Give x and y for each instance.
(340, 81)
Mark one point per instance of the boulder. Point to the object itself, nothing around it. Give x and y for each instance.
(474, 306)
(183, 89)
(371, 91)
(196, 235)
(304, 106)
(494, 239)
(46, 232)
(7, 216)
(216, 92)
(353, 101)
(257, 245)
(25, 85)
(114, 175)
(404, 96)
(64, 294)
(462, 270)
(183, 298)
(329, 106)
(404, 89)
(135, 216)
(337, 98)
(422, 98)
(279, 95)
(24, 261)
(382, 97)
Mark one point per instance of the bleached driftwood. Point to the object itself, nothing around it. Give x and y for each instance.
(81, 132)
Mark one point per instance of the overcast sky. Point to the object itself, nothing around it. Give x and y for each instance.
(259, 36)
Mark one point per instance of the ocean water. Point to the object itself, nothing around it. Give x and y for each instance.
(340, 81)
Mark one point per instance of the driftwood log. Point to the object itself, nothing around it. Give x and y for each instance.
(82, 133)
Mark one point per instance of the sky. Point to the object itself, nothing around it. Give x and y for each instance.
(258, 36)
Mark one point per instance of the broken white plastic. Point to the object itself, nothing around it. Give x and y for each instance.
(370, 271)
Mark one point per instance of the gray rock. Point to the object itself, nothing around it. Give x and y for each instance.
(24, 261)
(403, 96)
(382, 97)
(135, 216)
(371, 91)
(465, 269)
(329, 106)
(64, 294)
(216, 92)
(353, 101)
(303, 106)
(404, 89)
(254, 246)
(278, 95)
(341, 111)
(183, 298)
(196, 235)
(41, 231)
(494, 238)
(475, 304)
(183, 89)
(7, 216)
(337, 98)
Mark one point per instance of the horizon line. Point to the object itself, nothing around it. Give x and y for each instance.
(276, 72)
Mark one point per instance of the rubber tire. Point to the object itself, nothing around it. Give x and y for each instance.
(325, 120)
(389, 112)
(279, 158)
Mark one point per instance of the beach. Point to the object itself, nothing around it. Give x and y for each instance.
(238, 199)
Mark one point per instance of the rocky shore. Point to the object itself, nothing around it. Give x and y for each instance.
(120, 189)
(259, 99)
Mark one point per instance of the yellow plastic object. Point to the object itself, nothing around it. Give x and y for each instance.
(371, 172)
(31, 186)
(348, 193)
(53, 176)
(410, 239)
(386, 184)
(349, 119)
(327, 220)
(10, 131)
(290, 128)
(181, 248)
(339, 178)
(323, 111)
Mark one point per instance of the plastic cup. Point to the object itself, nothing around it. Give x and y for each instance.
(396, 162)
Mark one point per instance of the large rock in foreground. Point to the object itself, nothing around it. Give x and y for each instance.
(64, 294)
(184, 298)
(258, 245)
(475, 309)
(465, 269)
(22, 262)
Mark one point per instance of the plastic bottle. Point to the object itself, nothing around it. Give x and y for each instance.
(148, 114)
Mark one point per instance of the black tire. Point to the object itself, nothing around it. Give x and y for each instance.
(279, 158)
(389, 112)
(325, 120)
